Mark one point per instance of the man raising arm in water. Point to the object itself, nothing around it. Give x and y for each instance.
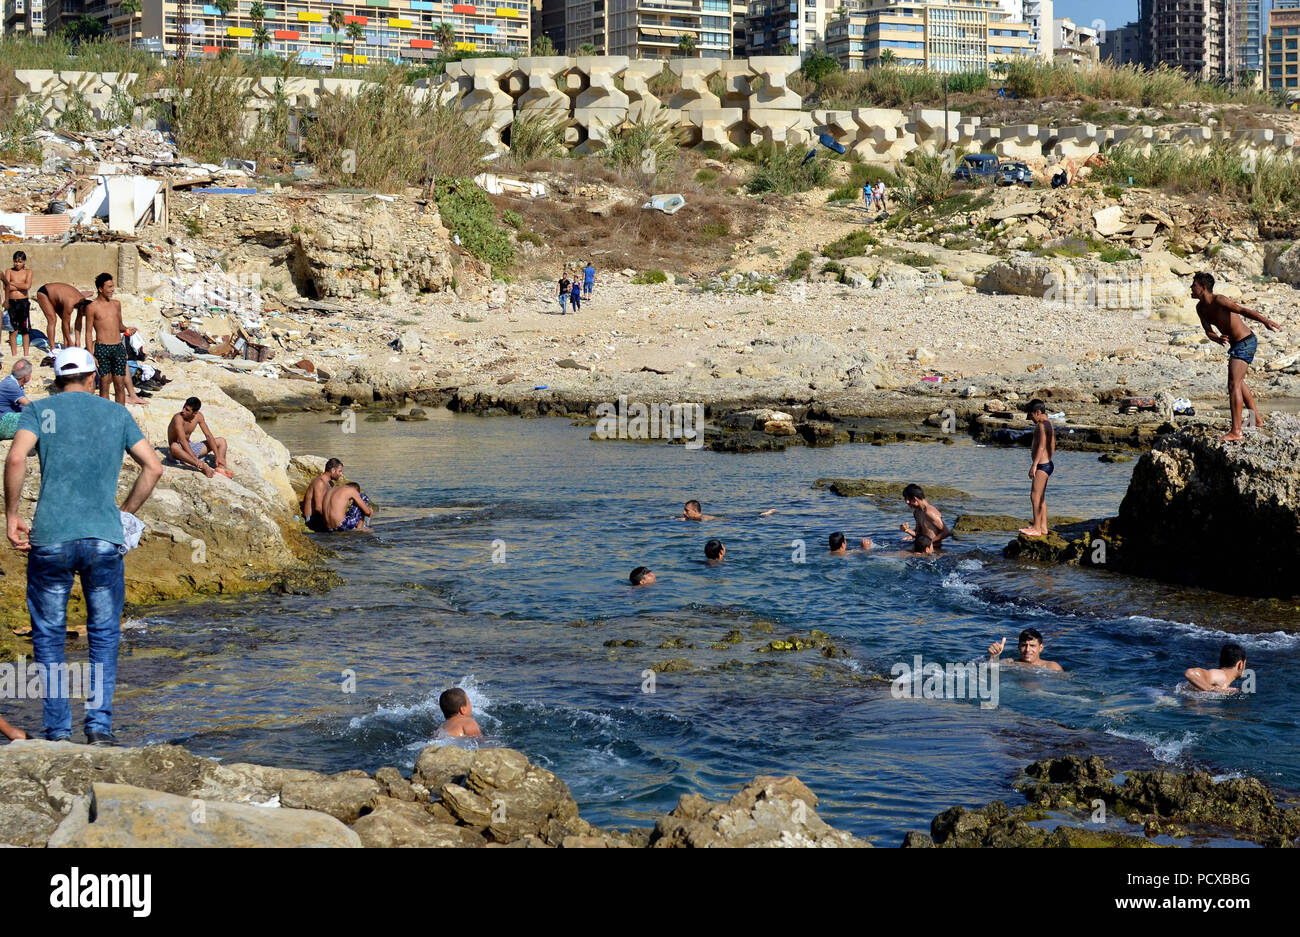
(1031, 650)
(1221, 313)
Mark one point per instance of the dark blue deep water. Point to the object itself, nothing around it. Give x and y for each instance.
(425, 607)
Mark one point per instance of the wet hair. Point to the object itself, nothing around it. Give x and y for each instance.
(1204, 279)
(102, 279)
(695, 504)
(1231, 654)
(1036, 406)
(20, 255)
(637, 575)
(913, 491)
(194, 403)
(332, 464)
(837, 540)
(713, 549)
(1030, 634)
(451, 701)
(921, 543)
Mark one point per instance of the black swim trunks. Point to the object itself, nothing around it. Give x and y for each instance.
(20, 315)
(110, 358)
(42, 291)
(1047, 467)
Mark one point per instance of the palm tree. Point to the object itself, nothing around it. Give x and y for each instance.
(687, 43)
(886, 57)
(542, 45)
(336, 29)
(446, 35)
(131, 8)
(356, 34)
(586, 49)
(224, 7)
(261, 38)
(257, 12)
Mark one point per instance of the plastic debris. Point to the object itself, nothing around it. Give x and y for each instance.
(668, 204)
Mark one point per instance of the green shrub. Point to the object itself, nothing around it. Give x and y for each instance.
(1111, 255)
(532, 237)
(466, 211)
(512, 218)
(818, 65)
(713, 230)
(861, 174)
(798, 268)
(1112, 191)
(785, 172)
(536, 132)
(650, 132)
(705, 176)
(647, 277)
(851, 245)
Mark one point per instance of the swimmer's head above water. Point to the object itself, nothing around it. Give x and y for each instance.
(641, 576)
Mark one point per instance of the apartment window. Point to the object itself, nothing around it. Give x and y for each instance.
(810, 17)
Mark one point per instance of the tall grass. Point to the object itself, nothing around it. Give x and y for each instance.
(1129, 84)
(536, 132)
(648, 145)
(784, 171)
(1266, 183)
(384, 138)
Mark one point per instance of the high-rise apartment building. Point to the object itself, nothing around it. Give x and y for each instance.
(940, 35)
(25, 18)
(661, 29)
(788, 27)
(1190, 35)
(1282, 49)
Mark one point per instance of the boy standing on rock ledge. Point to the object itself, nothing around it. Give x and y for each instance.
(1219, 312)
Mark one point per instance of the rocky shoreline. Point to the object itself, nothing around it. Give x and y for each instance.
(59, 794)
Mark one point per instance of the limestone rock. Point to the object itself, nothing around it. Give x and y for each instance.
(405, 825)
(768, 812)
(341, 796)
(133, 817)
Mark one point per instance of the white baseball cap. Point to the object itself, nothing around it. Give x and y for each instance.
(73, 361)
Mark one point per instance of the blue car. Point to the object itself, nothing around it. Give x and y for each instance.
(1015, 174)
(977, 166)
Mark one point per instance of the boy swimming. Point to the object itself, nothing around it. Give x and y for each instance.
(1232, 666)
(1031, 651)
(456, 709)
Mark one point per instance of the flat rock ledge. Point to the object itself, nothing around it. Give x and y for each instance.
(60, 794)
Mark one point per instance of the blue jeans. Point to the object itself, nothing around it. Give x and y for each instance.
(564, 298)
(50, 570)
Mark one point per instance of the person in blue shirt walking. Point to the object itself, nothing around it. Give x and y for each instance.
(77, 531)
(575, 294)
(588, 280)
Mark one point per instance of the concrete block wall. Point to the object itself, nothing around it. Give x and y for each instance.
(725, 103)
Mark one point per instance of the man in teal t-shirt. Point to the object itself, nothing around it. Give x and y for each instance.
(77, 531)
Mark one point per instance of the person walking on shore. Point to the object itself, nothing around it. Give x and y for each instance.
(588, 280)
(575, 295)
(1221, 313)
(880, 195)
(565, 287)
(77, 531)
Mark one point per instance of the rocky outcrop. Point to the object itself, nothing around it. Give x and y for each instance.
(1152, 803)
(1216, 514)
(1146, 286)
(61, 794)
(204, 535)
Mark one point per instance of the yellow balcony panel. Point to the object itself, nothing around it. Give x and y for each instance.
(397, 23)
(507, 11)
(354, 59)
(243, 32)
(466, 47)
(311, 18)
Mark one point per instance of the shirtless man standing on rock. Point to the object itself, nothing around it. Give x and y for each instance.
(1219, 312)
(313, 499)
(59, 301)
(181, 449)
(104, 329)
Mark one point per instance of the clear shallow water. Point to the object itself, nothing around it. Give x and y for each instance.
(425, 607)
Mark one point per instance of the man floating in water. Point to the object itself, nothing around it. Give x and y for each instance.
(181, 449)
(313, 499)
(347, 508)
(641, 576)
(1221, 313)
(458, 712)
(839, 546)
(1031, 650)
(693, 511)
(1232, 667)
(714, 553)
(1042, 452)
(927, 517)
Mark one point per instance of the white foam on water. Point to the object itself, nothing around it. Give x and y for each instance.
(477, 699)
(969, 566)
(956, 583)
(136, 624)
(1165, 751)
(1267, 641)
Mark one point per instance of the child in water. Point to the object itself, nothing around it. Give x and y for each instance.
(1232, 667)
(459, 714)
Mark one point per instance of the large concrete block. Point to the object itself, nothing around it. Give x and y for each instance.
(636, 78)
(541, 76)
(779, 127)
(602, 89)
(768, 88)
(694, 75)
(1019, 142)
(725, 127)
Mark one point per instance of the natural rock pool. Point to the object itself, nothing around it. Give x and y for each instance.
(553, 644)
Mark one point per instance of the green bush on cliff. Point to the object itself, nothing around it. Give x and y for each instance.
(784, 171)
(467, 212)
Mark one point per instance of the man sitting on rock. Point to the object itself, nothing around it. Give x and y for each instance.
(346, 508)
(1232, 666)
(181, 449)
(458, 712)
(313, 499)
(927, 517)
(1031, 649)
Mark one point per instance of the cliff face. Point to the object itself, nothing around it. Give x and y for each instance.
(1225, 516)
(204, 535)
